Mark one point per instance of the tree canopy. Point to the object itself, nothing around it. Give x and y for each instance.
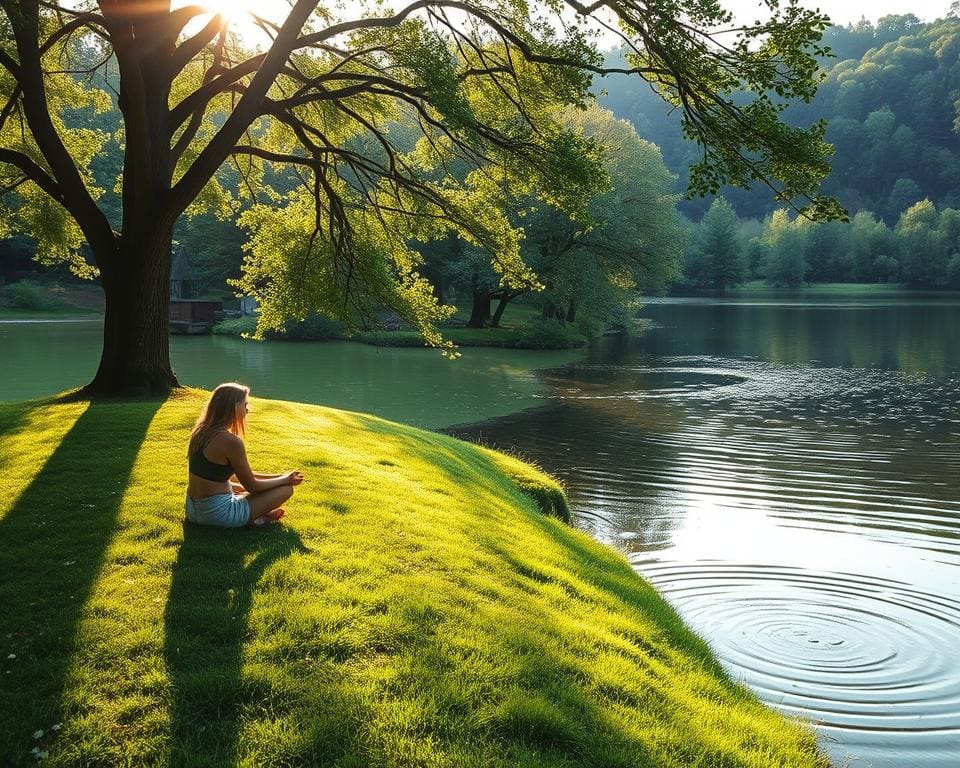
(367, 108)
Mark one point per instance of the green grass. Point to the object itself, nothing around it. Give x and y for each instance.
(414, 609)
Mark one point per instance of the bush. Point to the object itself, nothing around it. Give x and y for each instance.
(235, 326)
(382, 338)
(25, 295)
(314, 328)
(590, 327)
(544, 333)
(953, 271)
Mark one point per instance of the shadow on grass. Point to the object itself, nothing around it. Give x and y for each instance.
(11, 417)
(224, 706)
(53, 543)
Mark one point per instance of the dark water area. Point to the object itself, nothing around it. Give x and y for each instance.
(787, 476)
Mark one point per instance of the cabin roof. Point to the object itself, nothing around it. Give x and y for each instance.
(181, 270)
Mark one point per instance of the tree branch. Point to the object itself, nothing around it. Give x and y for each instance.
(73, 193)
(34, 172)
(190, 48)
(221, 83)
(9, 64)
(218, 149)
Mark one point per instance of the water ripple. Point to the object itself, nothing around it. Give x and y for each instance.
(857, 654)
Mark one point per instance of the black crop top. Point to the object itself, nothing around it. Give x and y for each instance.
(201, 466)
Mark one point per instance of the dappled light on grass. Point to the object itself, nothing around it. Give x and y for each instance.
(413, 608)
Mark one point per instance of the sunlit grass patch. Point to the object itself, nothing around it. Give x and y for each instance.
(415, 608)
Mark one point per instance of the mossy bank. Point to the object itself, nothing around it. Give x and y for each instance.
(415, 608)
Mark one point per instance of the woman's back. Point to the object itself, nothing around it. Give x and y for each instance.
(210, 468)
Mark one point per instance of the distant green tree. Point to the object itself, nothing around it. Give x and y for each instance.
(629, 239)
(890, 99)
(828, 254)
(715, 257)
(868, 240)
(754, 252)
(787, 242)
(923, 246)
(905, 193)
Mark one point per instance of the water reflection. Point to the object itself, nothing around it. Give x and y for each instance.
(788, 478)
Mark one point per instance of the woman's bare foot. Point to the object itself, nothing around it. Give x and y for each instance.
(271, 517)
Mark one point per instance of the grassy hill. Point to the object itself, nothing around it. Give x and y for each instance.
(415, 608)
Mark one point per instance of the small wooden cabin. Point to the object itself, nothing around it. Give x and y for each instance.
(188, 315)
(184, 283)
(193, 316)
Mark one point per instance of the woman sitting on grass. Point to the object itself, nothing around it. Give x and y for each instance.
(216, 454)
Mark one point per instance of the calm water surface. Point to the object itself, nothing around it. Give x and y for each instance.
(415, 386)
(787, 476)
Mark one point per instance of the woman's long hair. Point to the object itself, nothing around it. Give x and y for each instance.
(220, 413)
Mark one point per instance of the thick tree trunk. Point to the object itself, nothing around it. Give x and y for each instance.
(572, 312)
(504, 300)
(136, 349)
(553, 312)
(480, 313)
(438, 292)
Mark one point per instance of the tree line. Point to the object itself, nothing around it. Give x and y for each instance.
(921, 250)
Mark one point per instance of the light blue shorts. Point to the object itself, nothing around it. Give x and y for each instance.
(225, 510)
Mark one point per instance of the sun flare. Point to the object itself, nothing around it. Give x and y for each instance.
(231, 9)
(240, 15)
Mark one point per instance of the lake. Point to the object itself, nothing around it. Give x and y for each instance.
(785, 473)
(415, 386)
(787, 476)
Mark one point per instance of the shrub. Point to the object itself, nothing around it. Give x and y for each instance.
(25, 295)
(381, 338)
(314, 327)
(590, 327)
(953, 271)
(235, 326)
(544, 333)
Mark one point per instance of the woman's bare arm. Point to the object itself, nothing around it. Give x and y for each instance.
(251, 482)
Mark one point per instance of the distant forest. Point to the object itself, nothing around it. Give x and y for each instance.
(890, 98)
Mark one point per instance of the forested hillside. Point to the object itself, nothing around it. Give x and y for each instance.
(890, 99)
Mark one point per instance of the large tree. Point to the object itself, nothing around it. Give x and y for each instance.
(632, 241)
(479, 80)
(629, 240)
